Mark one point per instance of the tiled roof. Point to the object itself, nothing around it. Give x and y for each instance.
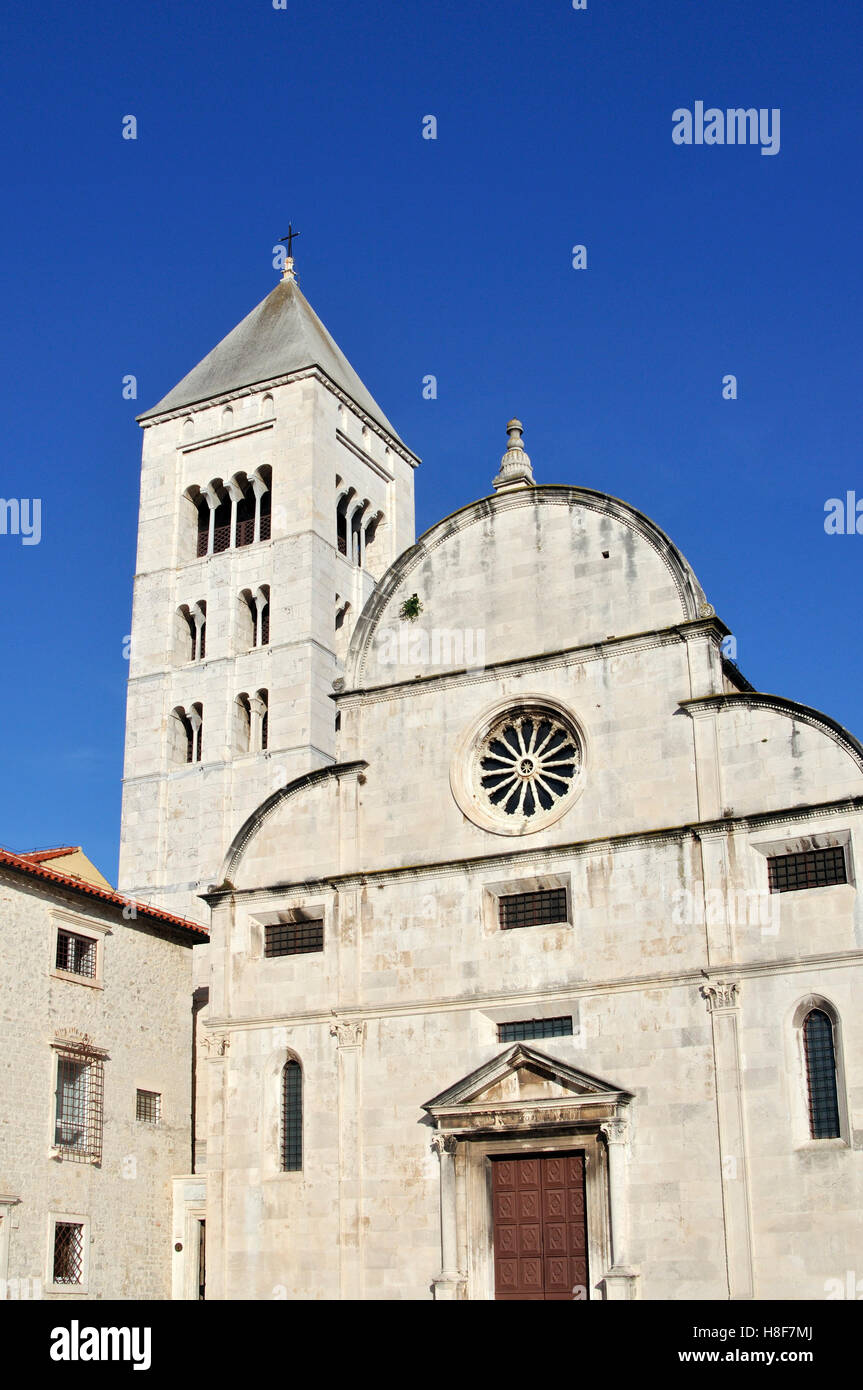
(27, 864)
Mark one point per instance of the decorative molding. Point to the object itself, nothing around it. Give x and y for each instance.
(73, 1040)
(444, 1143)
(226, 435)
(566, 658)
(364, 457)
(721, 995)
(148, 419)
(548, 855)
(796, 965)
(350, 1034)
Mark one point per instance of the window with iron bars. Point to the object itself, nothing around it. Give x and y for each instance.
(534, 1028)
(817, 868)
(292, 1117)
(68, 1267)
(76, 954)
(294, 938)
(148, 1107)
(78, 1106)
(532, 909)
(821, 1075)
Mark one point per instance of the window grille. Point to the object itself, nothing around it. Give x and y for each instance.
(821, 1075)
(68, 1252)
(148, 1107)
(265, 625)
(292, 1117)
(816, 868)
(202, 641)
(76, 954)
(78, 1114)
(533, 909)
(293, 938)
(534, 1028)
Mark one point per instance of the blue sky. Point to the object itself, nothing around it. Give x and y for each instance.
(449, 257)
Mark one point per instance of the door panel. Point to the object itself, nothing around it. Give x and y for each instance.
(540, 1227)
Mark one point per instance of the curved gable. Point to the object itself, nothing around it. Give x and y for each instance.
(519, 574)
(297, 822)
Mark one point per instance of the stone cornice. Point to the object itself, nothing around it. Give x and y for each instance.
(540, 857)
(586, 989)
(180, 412)
(540, 661)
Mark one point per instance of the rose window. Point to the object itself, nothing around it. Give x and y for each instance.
(528, 763)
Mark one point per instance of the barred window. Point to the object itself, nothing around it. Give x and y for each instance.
(148, 1107)
(294, 938)
(68, 1252)
(534, 1028)
(292, 1117)
(533, 909)
(77, 954)
(78, 1112)
(821, 1075)
(817, 868)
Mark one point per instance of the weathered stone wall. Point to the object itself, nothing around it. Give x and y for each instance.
(141, 1016)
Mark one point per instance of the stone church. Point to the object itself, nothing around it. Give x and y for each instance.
(534, 932)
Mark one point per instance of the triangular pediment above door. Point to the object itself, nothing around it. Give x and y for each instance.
(522, 1087)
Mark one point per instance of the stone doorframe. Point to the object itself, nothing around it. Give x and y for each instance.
(475, 1123)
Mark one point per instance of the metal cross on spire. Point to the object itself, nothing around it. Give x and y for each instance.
(289, 238)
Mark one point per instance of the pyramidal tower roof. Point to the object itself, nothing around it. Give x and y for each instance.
(282, 334)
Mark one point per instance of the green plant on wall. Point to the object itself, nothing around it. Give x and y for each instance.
(411, 609)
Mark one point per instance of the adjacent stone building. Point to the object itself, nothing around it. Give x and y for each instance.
(535, 936)
(96, 1055)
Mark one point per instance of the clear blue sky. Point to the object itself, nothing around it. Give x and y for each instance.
(450, 257)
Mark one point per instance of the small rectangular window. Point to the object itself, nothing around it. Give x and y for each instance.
(78, 1114)
(148, 1107)
(534, 1028)
(532, 909)
(817, 868)
(77, 954)
(294, 938)
(68, 1252)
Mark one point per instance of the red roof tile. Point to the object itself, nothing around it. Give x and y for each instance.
(26, 863)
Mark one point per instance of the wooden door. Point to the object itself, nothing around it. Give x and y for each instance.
(540, 1227)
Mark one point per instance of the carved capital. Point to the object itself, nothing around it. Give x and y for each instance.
(720, 994)
(614, 1131)
(215, 1045)
(349, 1034)
(444, 1144)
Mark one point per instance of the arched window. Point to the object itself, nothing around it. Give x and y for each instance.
(221, 520)
(188, 732)
(193, 624)
(242, 724)
(263, 716)
(246, 515)
(342, 523)
(820, 1053)
(292, 1117)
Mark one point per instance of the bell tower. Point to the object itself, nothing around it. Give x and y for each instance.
(274, 494)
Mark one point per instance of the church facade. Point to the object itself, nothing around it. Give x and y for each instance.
(534, 933)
